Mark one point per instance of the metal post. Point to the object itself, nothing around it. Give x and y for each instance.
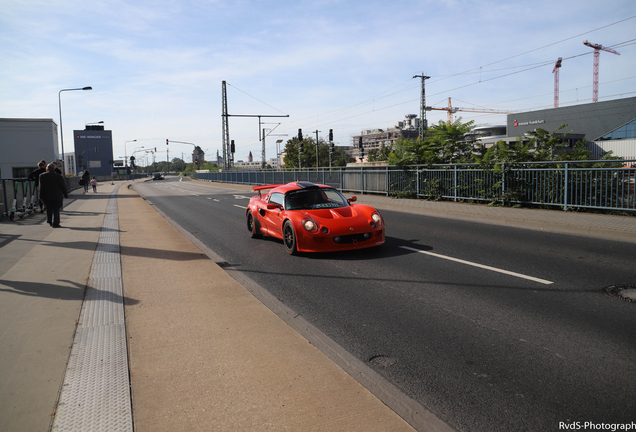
(226, 128)
(423, 123)
(263, 154)
(565, 188)
(455, 182)
(503, 182)
(317, 163)
(59, 96)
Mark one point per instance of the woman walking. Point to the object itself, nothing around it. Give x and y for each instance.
(86, 178)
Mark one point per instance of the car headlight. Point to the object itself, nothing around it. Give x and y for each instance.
(310, 225)
(377, 219)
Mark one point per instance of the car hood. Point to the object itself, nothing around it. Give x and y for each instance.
(334, 213)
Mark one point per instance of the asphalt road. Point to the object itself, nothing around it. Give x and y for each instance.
(526, 340)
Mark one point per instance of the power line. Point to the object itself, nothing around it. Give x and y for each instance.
(334, 116)
(264, 103)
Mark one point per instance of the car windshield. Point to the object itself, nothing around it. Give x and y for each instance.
(315, 198)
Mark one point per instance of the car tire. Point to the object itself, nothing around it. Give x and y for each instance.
(252, 226)
(289, 238)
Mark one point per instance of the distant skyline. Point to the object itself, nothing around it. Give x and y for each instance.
(156, 67)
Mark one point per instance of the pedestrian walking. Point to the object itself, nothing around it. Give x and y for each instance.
(85, 180)
(52, 192)
(35, 177)
(94, 184)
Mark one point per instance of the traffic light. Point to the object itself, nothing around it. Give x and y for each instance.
(360, 142)
(300, 134)
(300, 148)
(196, 163)
(332, 148)
(330, 135)
(232, 147)
(167, 142)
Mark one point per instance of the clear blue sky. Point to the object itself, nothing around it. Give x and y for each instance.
(156, 67)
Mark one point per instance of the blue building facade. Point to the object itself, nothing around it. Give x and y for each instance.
(94, 150)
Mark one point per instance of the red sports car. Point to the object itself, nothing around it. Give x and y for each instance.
(313, 218)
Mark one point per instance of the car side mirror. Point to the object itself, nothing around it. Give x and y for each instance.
(352, 199)
(272, 206)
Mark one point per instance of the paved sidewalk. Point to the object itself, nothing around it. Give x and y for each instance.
(204, 354)
(43, 275)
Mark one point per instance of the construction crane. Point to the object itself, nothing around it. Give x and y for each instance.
(555, 71)
(597, 48)
(452, 110)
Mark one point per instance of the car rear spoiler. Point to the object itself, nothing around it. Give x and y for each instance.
(264, 187)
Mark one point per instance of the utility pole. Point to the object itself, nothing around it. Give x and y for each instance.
(555, 71)
(423, 122)
(263, 164)
(226, 129)
(226, 126)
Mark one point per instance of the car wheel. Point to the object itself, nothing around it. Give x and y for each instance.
(289, 238)
(252, 227)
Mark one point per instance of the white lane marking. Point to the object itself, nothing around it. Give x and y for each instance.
(241, 197)
(519, 275)
(236, 205)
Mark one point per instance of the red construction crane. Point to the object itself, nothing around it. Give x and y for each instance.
(597, 48)
(555, 71)
(452, 110)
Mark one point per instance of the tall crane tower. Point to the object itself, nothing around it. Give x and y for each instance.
(452, 110)
(597, 49)
(555, 71)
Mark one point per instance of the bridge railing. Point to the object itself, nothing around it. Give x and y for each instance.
(596, 184)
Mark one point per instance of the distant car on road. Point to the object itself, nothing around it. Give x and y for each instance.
(313, 218)
(157, 176)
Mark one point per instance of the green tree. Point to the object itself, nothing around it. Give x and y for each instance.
(308, 158)
(381, 154)
(443, 143)
(536, 146)
(454, 142)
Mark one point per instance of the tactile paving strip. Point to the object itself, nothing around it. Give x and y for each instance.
(96, 391)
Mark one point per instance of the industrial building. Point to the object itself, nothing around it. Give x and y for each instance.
(607, 126)
(25, 142)
(375, 139)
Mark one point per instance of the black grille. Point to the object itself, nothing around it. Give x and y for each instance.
(346, 239)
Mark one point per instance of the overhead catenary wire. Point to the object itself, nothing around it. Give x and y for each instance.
(346, 113)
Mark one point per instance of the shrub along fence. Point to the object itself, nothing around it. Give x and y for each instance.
(607, 185)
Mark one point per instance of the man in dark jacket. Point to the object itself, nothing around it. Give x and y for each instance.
(35, 176)
(52, 192)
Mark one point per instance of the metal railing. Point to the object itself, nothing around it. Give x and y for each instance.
(20, 197)
(607, 185)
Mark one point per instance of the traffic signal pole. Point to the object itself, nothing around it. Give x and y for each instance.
(317, 164)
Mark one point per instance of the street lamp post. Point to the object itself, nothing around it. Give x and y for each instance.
(59, 97)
